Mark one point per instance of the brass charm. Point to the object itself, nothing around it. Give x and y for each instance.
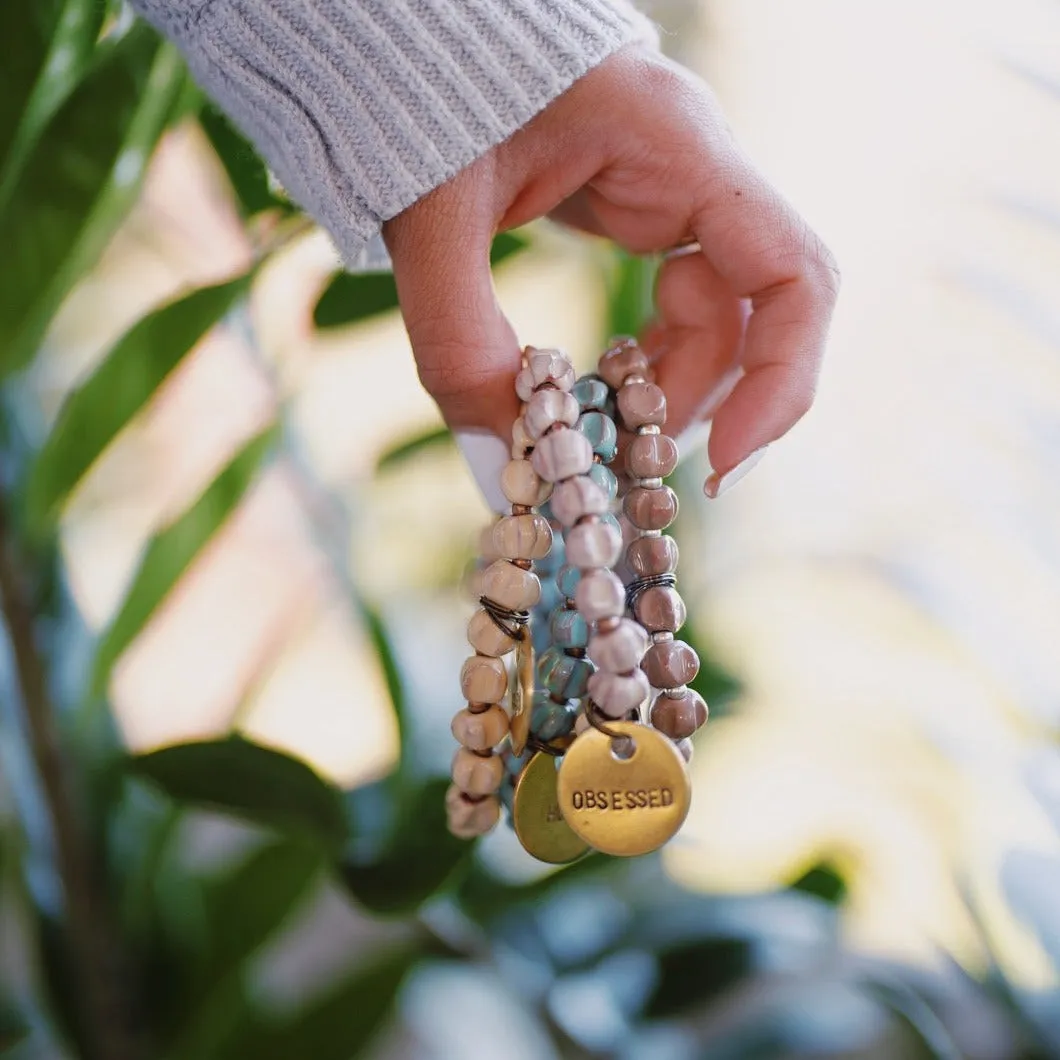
(625, 806)
(521, 692)
(536, 815)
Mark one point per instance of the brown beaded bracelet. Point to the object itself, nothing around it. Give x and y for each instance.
(650, 506)
(508, 588)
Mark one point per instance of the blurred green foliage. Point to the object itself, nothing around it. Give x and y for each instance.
(120, 948)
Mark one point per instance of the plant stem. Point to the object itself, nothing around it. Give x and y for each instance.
(91, 956)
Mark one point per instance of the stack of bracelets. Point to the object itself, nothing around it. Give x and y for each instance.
(573, 758)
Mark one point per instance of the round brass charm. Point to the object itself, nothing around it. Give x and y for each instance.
(625, 806)
(536, 815)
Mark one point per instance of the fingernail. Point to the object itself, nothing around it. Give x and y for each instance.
(716, 484)
(486, 456)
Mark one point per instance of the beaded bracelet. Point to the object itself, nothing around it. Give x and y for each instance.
(509, 588)
(651, 556)
(621, 787)
(561, 636)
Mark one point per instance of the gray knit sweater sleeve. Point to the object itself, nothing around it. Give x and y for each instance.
(360, 107)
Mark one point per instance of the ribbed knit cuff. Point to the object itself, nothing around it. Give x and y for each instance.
(361, 107)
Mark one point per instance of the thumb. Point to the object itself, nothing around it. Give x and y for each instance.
(466, 351)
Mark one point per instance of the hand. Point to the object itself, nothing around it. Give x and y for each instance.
(637, 151)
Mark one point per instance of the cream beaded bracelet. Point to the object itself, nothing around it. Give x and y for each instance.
(509, 588)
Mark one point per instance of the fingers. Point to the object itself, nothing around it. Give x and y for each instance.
(466, 351)
(696, 339)
(577, 212)
(764, 251)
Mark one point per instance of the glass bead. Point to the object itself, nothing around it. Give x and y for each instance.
(567, 581)
(591, 392)
(604, 477)
(563, 675)
(550, 719)
(600, 431)
(568, 629)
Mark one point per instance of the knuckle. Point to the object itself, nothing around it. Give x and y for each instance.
(447, 370)
(820, 267)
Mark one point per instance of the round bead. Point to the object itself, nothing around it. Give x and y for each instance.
(670, 663)
(593, 544)
(544, 368)
(685, 747)
(510, 586)
(521, 441)
(650, 509)
(522, 537)
(640, 404)
(483, 679)
(660, 608)
(550, 367)
(563, 675)
(611, 520)
(679, 718)
(480, 732)
(468, 818)
(486, 637)
(477, 774)
(600, 594)
(621, 361)
(591, 392)
(576, 497)
(551, 720)
(567, 580)
(485, 544)
(548, 407)
(568, 628)
(562, 454)
(651, 456)
(604, 477)
(521, 484)
(619, 650)
(648, 556)
(616, 694)
(600, 430)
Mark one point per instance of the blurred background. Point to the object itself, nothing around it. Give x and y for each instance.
(234, 616)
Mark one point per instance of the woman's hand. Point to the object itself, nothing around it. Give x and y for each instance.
(637, 151)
